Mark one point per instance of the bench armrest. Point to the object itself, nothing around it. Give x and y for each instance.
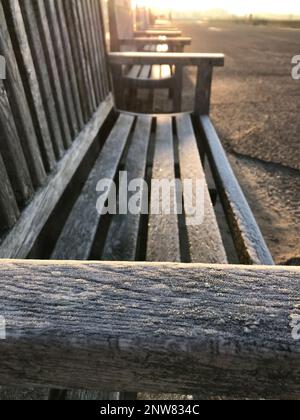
(182, 59)
(157, 40)
(204, 63)
(156, 32)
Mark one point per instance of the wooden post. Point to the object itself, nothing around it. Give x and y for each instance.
(177, 90)
(203, 89)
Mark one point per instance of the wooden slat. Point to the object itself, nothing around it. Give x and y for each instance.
(63, 71)
(22, 237)
(29, 73)
(72, 70)
(40, 11)
(186, 59)
(157, 32)
(103, 47)
(122, 239)
(145, 72)
(39, 59)
(155, 72)
(12, 152)
(250, 244)
(204, 329)
(9, 211)
(86, 56)
(77, 237)
(134, 72)
(19, 103)
(90, 48)
(96, 47)
(205, 240)
(163, 235)
(100, 44)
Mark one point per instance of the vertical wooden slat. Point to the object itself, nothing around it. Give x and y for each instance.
(77, 48)
(12, 152)
(203, 89)
(18, 101)
(30, 80)
(39, 59)
(39, 10)
(90, 49)
(96, 49)
(87, 59)
(62, 65)
(69, 58)
(9, 211)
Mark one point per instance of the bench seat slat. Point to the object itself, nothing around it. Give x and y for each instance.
(122, 238)
(78, 235)
(163, 235)
(205, 240)
(145, 72)
(134, 72)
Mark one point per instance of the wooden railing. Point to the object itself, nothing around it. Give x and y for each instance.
(56, 79)
(210, 330)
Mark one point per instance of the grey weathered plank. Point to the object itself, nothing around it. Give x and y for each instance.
(12, 152)
(37, 107)
(77, 237)
(158, 32)
(145, 72)
(22, 237)
(122, 238)
(78, 13)
(90, 48)
(102, 43)
(62, 68)
(163, 234)
(250, 244)
(39, 59)
(18, 101)
(96, 46)
(72, 24)
(69, 59)
(208, 329)
(134, 71)
(171, 42)
(45, 32)
(186, 59)
(203, 89)
(9, 211)
(204, 237)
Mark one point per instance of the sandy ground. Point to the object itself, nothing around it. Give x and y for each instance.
(256, 108)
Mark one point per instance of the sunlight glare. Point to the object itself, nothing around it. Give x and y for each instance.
(231, 6)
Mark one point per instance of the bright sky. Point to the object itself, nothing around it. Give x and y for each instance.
(232, 6)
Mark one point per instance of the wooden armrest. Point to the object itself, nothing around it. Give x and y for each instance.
(225, 330)
(184, 59)
(157, 40)
(156, 32)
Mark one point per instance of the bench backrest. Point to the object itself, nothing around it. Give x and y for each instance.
(56, 78)
(121, 21)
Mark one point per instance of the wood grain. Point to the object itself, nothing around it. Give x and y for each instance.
(249, 242)
(22, 237)
(212, 330)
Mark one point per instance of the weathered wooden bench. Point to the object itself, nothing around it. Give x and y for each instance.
(209, 329)
(132, 79)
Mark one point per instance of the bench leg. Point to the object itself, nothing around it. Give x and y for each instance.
(177, 89)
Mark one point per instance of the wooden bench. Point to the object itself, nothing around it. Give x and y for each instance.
(119, 324)
(135, 78)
